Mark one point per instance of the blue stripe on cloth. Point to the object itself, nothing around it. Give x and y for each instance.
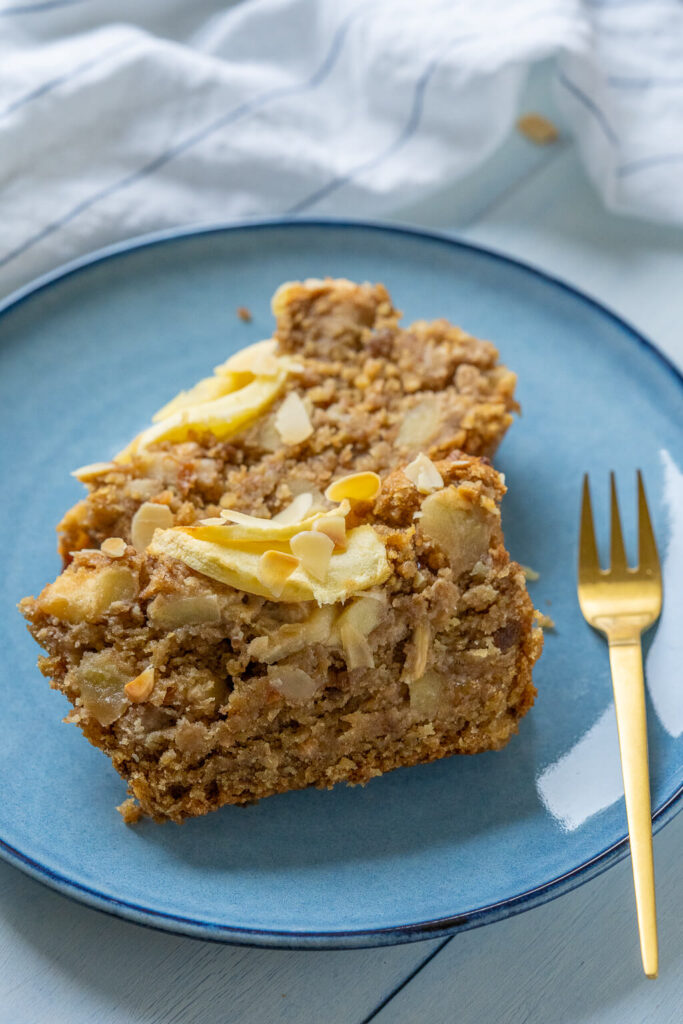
(248, 107)
(648, 161)
(644, 82)
(407, 132)
(615, 5)
(588, 103)
(46, 5)
(58, 80)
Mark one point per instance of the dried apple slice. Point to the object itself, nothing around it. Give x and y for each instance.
(256, 360)
(221, 417)
(240, 528)
(364, 564)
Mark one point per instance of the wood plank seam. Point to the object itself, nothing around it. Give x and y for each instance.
(406, 981)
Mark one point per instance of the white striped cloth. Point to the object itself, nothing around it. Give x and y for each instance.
(120, 118)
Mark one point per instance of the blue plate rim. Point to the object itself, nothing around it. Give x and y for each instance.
(241, 935)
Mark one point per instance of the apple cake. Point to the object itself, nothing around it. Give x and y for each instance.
(296, 575)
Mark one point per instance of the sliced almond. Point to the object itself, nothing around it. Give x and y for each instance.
(295, 511)
(115, 547)
(252, 528)
(292, 421)
(333, 527)
(355, 487)
(356, 647)
(140, 688)
(231, 515)
(274, 569)
(212, 521)
(416, 663)
(90, 472)
(149, 517)
(293, 636)
(423, 473)
(364, 613)
(314, 551)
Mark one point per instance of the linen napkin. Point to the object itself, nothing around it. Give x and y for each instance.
(121, 118)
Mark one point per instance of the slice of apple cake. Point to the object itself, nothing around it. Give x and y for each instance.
(339, 388)
(296, 576)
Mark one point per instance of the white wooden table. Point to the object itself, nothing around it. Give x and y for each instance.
(572, 960)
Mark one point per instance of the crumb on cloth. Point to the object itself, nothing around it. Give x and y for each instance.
(537, 129)
(244, 314)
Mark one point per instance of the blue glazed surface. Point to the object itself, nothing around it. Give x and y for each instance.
(86, 359)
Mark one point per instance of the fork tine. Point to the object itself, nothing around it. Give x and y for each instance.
(589, 563)
(648, 559)
(616, 545)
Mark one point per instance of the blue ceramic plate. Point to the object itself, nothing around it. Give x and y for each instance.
(88, 354)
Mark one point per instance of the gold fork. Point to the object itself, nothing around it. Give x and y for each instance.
(622, 603)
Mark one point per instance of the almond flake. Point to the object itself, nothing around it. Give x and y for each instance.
(423, 473)
(355, 487)
(314, 550)
(295, 511)
(93, 470)
(253, 522)
(333, 527)
(364, 613)
(115, 547)
(213, 521)
(294, 636)
(356, 648)
(140, 688)
(149, 517)
(292, 421)
(274, 569)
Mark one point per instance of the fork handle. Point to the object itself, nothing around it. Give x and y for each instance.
(626, 662)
